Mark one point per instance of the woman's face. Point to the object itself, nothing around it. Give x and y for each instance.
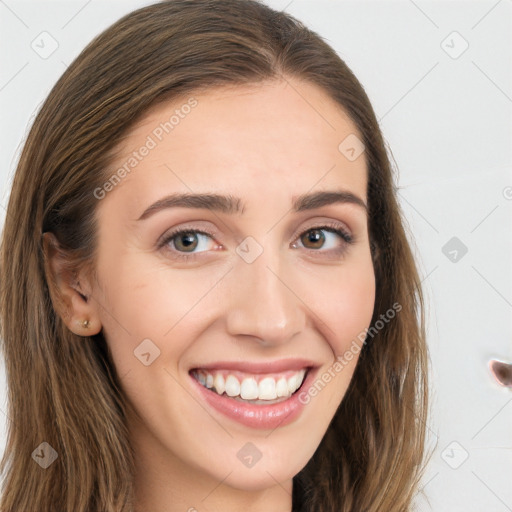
(270, 282)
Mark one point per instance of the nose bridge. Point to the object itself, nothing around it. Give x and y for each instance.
(262, 303)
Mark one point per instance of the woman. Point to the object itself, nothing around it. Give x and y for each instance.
(208, 297)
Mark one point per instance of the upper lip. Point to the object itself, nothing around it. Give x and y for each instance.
(280, 365)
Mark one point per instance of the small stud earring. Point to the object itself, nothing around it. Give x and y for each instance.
(85, 324)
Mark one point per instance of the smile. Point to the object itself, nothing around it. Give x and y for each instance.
(262, 396)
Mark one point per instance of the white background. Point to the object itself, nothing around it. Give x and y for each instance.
(447, 120)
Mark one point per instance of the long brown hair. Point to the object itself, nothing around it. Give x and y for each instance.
(62, 388)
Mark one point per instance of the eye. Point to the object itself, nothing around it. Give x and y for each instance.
(319, 236)
(187, 241)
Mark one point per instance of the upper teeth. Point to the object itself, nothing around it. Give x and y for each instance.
(248, 388)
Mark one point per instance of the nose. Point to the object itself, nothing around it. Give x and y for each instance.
(262, 302)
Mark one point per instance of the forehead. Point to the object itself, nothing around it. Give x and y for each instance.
(279, 138)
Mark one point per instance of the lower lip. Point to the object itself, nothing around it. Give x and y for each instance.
(258, 416)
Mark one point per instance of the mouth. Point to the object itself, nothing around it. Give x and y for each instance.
(261, 396)
(251, 388)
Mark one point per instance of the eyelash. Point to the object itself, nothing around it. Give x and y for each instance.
(332, 228)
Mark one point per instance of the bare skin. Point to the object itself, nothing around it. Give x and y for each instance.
(266, 144)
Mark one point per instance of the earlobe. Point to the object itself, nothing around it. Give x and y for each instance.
(85, 327)
(71, 299)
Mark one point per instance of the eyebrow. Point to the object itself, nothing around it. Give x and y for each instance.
(233, 205)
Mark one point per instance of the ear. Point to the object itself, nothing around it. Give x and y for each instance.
(70, 292)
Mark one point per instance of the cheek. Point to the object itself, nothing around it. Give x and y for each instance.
(143, 302)
(344, 303)
(345, 313)
(352, 312)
